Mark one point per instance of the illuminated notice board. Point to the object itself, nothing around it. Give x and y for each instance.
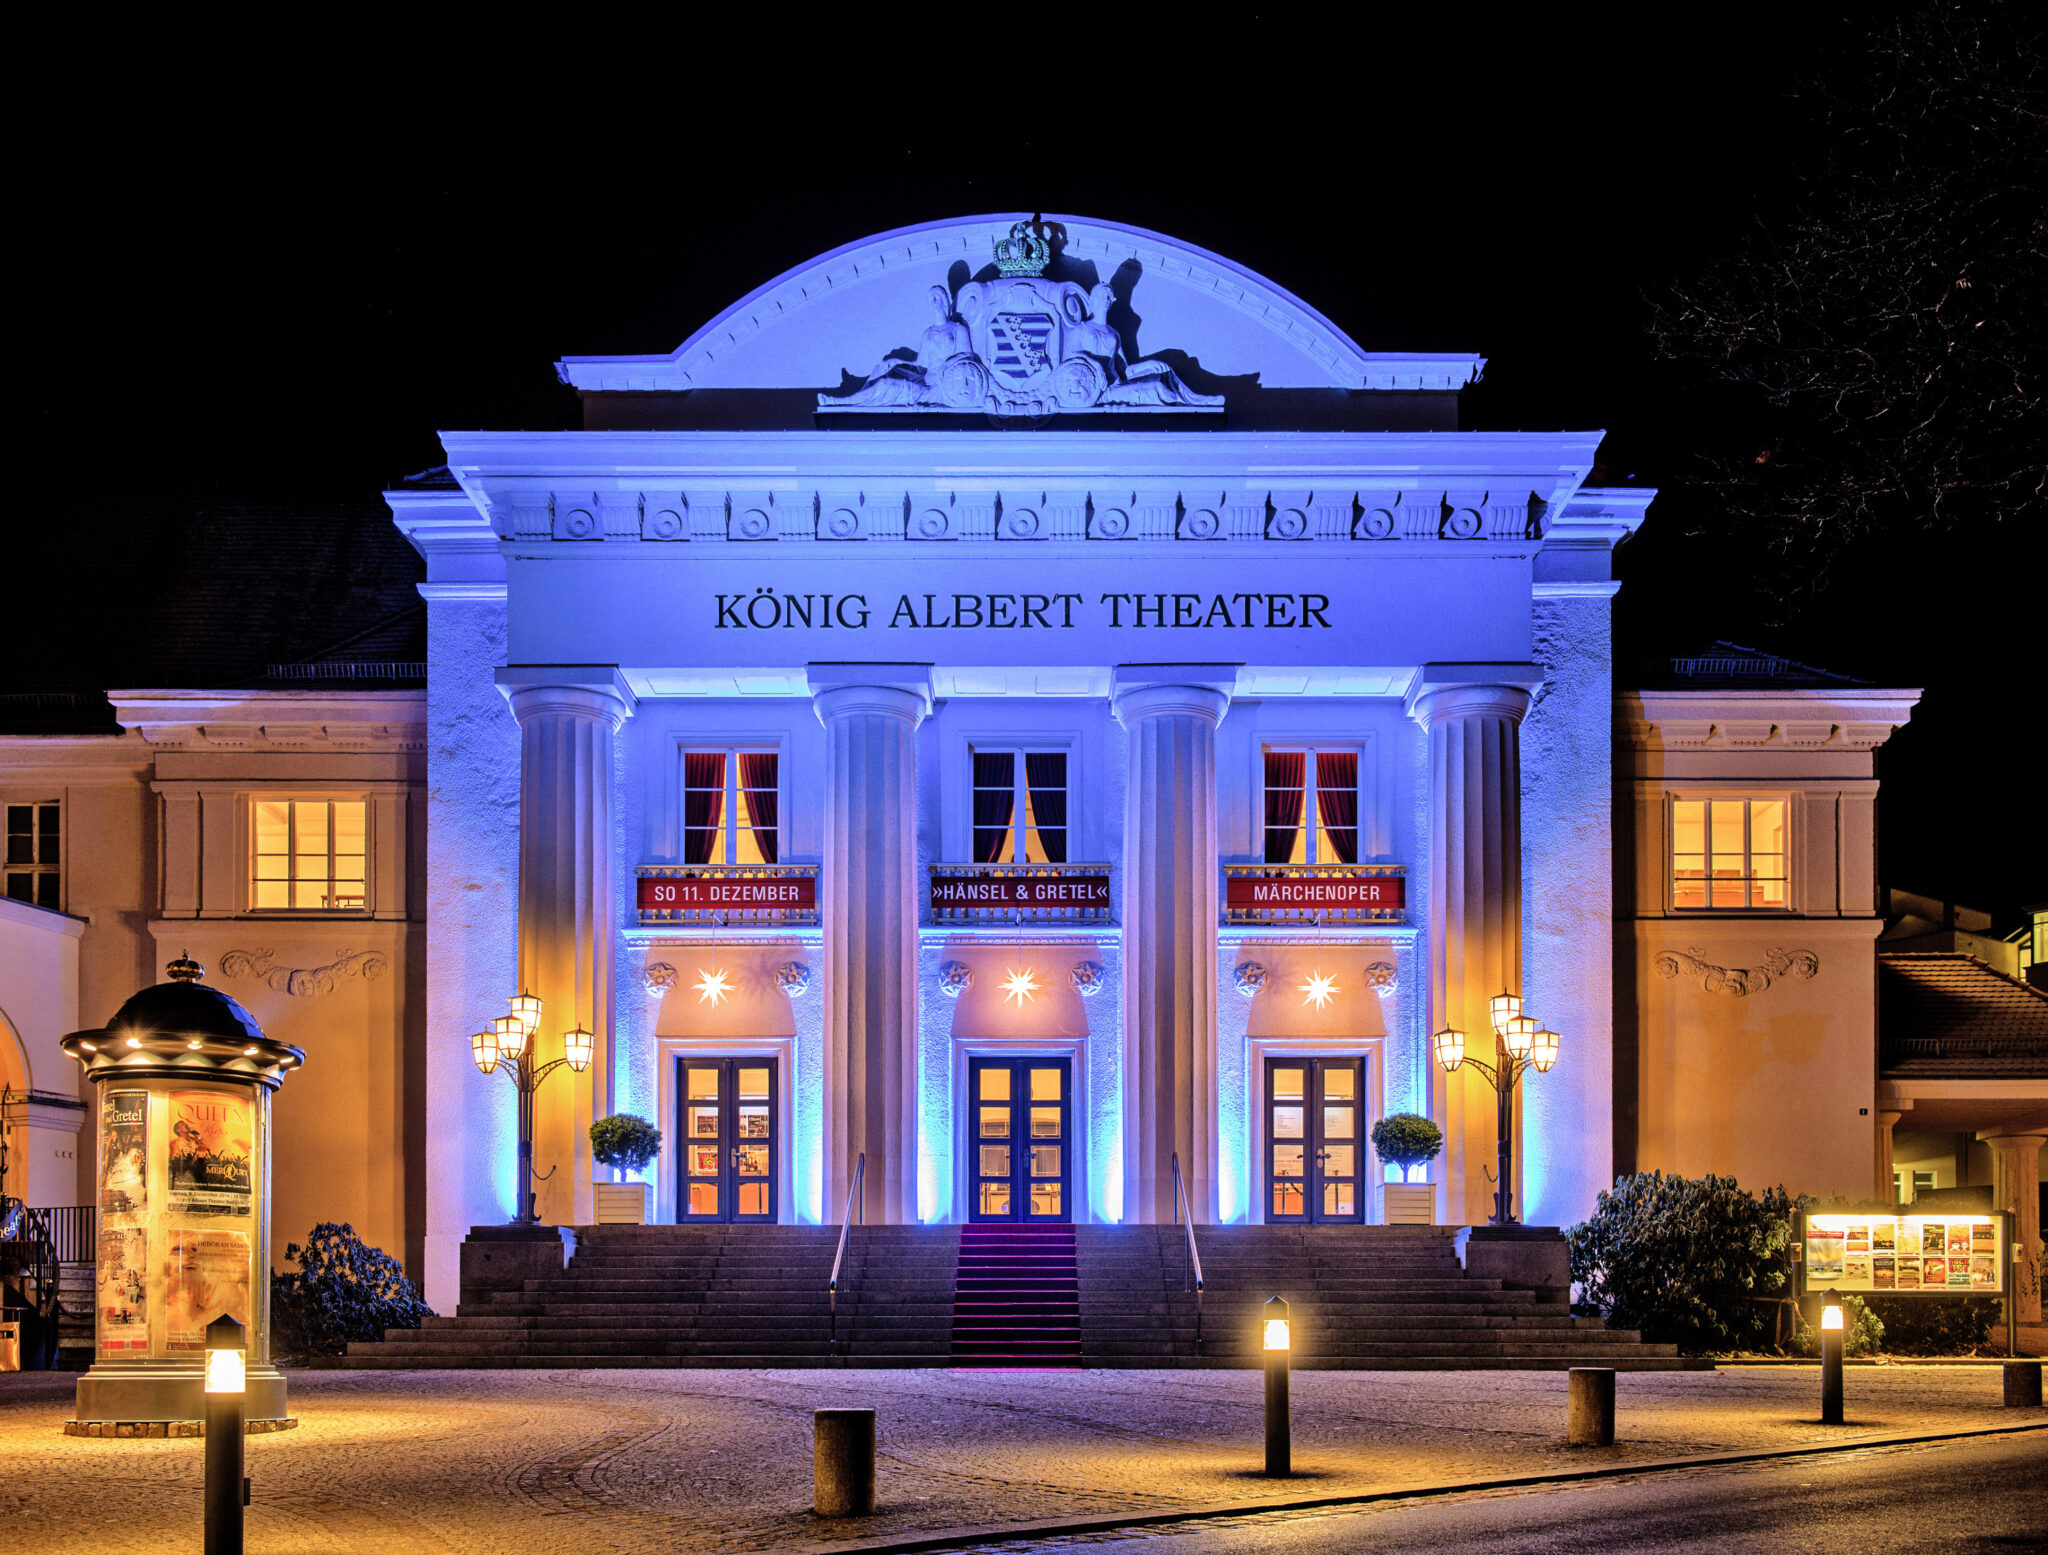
(1927, 1255)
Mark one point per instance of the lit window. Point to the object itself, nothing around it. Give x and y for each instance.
(310, 855)
(1727, 853)
(32, 854)
(1319, 787)
(1020, 807)
(730, 807)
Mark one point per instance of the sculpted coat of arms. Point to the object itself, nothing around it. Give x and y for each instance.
(1020, 345)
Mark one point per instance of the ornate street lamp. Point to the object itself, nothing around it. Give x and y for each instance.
(507, 1046)
(1521, 1042)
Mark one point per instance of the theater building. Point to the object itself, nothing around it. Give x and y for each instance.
(1035, 715)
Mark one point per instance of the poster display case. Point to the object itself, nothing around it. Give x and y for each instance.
(184, 1079)
(1935, 1254)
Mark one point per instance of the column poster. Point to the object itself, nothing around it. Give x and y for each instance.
(124, 1170)
(123, 1297)
(205, 1275)
(213, 1140)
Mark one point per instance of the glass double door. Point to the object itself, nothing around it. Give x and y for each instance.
(1022, 1117)
(731, 1155)
(1315, 1144)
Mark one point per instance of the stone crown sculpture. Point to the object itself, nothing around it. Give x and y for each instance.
(1027, 250)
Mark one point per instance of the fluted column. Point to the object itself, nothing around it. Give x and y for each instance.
(2016, 1186)
(567, 716)
(1170, 714)
(1475, 900)
(869, 899)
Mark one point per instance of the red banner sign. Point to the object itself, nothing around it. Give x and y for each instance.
(963, 891)
(1312, 893)
(773, 893)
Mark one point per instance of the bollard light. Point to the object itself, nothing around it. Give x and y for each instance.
(1279, 1345)
(1831, 1336)
(1450, 1048)
(227, 1349)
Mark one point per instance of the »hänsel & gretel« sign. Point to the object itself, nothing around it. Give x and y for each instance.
(1020, 891)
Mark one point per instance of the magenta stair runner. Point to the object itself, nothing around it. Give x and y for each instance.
(1017, 1298)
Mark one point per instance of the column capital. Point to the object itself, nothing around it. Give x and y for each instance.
(2017, 1139)
(593, 691)
(1140, 691)
(892, 690)
(1466, 690)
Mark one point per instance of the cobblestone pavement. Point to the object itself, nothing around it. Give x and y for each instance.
(571, 1461)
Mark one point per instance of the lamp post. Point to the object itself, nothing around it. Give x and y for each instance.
(226, 1385)
(1831, 1336)
(1520, 1043)
(1278, 1343)
(507, 1045)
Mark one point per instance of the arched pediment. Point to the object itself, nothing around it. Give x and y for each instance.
(1177, 312)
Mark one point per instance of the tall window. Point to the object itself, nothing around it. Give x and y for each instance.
(730, 807)
(1020, 807)
(32, 854)
(1728, 853)
(1321, 788)
(310, 854)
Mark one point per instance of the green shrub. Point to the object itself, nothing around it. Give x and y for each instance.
(1935, 1325)
(344, 1291)
(1862, 1331)
(1407, 1138)
(1699, 1264)
(624, 1141)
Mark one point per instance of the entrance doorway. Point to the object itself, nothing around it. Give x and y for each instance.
(732, 1151)
(1022, 1111)
(1315, 1157)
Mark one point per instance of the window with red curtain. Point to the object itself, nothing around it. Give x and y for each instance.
(704, 807)
(758, 771)
(995, 801)
(1336, 787)
(1045, 783)
(1285, 774)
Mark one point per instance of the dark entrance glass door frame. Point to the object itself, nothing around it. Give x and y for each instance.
(1327, 1154)
(1024, 1146)
(749, 1142)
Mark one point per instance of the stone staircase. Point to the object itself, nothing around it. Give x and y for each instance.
(1367, 1298)
(1391, 1298)
(705, 1296)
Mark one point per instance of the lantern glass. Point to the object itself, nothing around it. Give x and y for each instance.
(226, 1372)
(483, 1047)
(1520, 1035)
(1276, 1333)
(1450, 1048)
(1503, 1007)
(526, 1010)
(511, 1037)
(1545, 1050)
(1831, 1317)
(577, 1044)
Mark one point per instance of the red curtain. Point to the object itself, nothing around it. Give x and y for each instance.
(703, 803)
(1284, 772)
(1337, 803)
(995, 799)
(1045, 773)
(757, 777)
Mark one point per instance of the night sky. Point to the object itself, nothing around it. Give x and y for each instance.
(257, 288)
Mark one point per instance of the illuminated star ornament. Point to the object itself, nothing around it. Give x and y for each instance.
(1020, 985)
(1320, 990)
(713, 986)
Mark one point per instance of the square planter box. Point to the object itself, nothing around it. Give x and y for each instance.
(1411, 1203)
(621, 1203)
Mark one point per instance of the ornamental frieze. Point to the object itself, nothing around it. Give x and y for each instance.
(1738, 982)
(304, 982)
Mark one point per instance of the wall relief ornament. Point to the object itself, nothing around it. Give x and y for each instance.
(1737, 981)
(304, 982)
(661, 977)
(1251, 978)
(955, 978)
(793, 978)
(1088, 976)
(1381, 977)
(1020, 345)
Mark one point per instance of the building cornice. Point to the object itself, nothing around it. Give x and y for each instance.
(1838, 718)
(275, 720)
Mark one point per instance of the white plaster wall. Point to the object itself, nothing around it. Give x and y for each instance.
(472, 908)
(38, 1005)
(1567, 1115)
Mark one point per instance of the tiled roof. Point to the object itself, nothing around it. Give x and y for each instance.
(1951, 1016)
(1723, 666)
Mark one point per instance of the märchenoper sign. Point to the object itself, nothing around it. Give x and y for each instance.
(1934, 1254)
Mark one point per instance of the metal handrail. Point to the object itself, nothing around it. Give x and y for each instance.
(856, 1202)
(1191, 1255)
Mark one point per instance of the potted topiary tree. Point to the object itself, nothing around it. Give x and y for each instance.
(626, 1144)
(1408, 1140)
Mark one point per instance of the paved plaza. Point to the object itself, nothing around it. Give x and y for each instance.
(570, 1461)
